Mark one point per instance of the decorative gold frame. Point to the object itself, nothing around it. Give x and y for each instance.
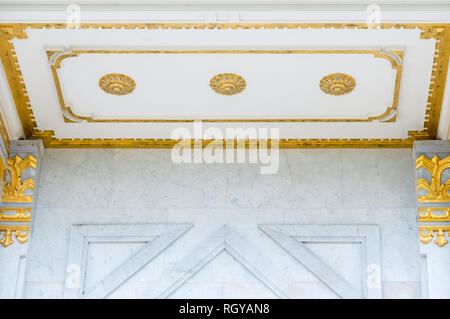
(438, 31)
(75, 118)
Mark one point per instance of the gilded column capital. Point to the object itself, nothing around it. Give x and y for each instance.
(20, 233)
(14, 191)
(18, 189)
(433, 190)
(438, 187)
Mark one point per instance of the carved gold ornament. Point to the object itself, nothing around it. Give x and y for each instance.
(15, 192)
(434, 214)
(227, 84)
(20, 232)
(437, 190)
(117, 84)
(337, 84)
(427, 234)
(15, 214)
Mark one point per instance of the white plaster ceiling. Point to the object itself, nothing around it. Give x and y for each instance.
(176, 86)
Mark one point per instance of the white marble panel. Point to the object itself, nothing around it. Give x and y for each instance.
(231, 277)
(378, 179)
(150, 178)
(143, 186)
(73, 178)
(155, 238)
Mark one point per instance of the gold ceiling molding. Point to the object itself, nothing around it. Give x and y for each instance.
(438, 31)
(437, 190)
(20, 232)
(52, 142)
(434, 214)
(227, 84)
(438, 74)
(14, 192)
(20, 214)
(337, 84)
(427, 234)
(117, 84)
(389, 115)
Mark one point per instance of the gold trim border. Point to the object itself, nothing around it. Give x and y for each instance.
(21, 214)
(438, 31)
(56, 64)
(427, 214)
(282, 143)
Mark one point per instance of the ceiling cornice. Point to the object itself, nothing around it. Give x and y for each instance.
(211, 11)
(231, 5)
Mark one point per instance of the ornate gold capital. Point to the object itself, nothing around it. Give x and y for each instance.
(20, 232)
(427, 234)
(437, 190)
(15, 191)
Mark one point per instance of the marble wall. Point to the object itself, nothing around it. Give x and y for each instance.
(225, 230)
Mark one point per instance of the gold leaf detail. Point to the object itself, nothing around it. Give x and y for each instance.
(429, 214)
(427, 232)
(227, 84)
(436, 191)
(117, 84)
(20, 232)
(15, 192)
(21, 214)
(337, 84)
